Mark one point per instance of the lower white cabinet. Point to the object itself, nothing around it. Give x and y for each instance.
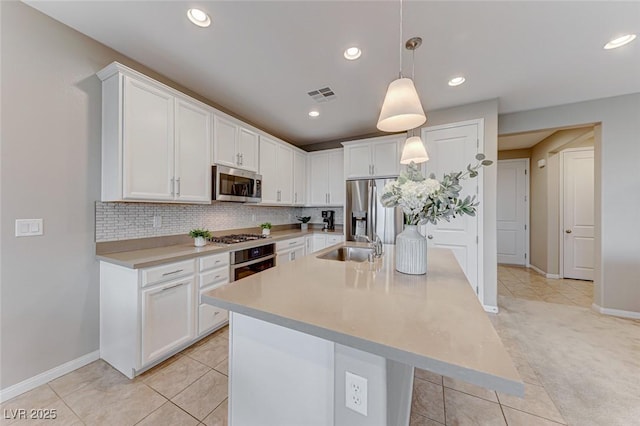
(317, 242)
(168, 317)
(290, 250)
(147, 315)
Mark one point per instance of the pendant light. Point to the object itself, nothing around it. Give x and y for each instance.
(414, 150)
(401, 109)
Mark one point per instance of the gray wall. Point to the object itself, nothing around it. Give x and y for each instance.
(617, 152)
(489, 111)
(50, 169)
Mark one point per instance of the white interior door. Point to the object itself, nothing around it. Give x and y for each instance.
(512, 211)
(578, 214)
(451, 149)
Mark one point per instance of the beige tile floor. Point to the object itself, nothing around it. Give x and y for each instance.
(191, 387)
(524, 283)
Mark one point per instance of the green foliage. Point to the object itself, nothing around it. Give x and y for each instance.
(303, 219)
(266, 225)
(195, 233)
(431, 206)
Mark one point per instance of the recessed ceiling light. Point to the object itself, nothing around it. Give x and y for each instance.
(199, 17)
(352, 53)
(314, 113)
(457, 81)
(620, 41)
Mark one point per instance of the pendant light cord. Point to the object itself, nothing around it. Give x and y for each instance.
(400, 73)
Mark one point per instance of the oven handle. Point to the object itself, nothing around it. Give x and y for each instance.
(251, 262)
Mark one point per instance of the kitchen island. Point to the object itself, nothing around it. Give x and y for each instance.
(297, 329)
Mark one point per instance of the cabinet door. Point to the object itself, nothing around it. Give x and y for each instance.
(336, 178)
(148, 142)
(192, 152)
(386, 158)
(285, 174)
(299, 178)
(269, 170)
(167, 318)
(248, 149)
(225, 139)
(319, 179)
(283, 257)
(334, 239)
(318, 243)
(357, 161)
(297, 253)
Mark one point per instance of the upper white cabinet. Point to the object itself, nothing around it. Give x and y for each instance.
(155, 143)
(276, 168)
(376, 157)
(299, 178)
(234, 145)
(326, 178)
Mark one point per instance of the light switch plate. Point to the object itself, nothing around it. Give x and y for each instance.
(29, 227)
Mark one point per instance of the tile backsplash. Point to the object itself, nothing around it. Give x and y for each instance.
(123, 221)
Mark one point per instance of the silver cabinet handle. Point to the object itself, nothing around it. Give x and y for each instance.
(173, 286)
(241, 159)
(238, 159)
(178, 185)
(568, 231)
(171, 273)
(373, 169)
(295, 197)
(173, 187)
(430, 237)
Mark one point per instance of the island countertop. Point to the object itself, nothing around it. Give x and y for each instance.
(432, 321)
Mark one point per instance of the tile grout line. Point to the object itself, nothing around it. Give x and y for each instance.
(65, 403)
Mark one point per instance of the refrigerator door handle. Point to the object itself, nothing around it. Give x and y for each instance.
(374, 210)
(370, 224)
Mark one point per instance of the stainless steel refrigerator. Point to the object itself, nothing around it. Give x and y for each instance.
(364, 215)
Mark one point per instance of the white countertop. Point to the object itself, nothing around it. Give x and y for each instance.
(434, 322)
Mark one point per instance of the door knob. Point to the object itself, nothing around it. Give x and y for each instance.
(568, 231)
(430, 237)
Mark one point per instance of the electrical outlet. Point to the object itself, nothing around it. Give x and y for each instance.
(356, 393)
(157, 221)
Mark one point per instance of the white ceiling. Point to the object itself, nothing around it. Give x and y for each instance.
(260, 58)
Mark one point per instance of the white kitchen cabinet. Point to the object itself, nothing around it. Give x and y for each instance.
(299, 178)
(326, 178)
(155, 142)
(168, 318)
(276, 168)
(375, 157)
(234, 145)
(192, 152)
(149, 314)
(290, 250)
(317, 242)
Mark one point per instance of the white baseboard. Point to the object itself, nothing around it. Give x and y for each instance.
(490, 308)
(541, 272)
(616, 312)
(49, 375)
(538, 270)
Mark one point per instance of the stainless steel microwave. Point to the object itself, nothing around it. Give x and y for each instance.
(238, 185)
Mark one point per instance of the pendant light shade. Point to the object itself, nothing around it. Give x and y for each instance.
(401, 109)
(414, 150)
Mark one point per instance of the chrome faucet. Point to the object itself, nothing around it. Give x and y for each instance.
(376, 244)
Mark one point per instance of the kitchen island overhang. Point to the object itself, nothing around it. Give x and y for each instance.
(434, 322)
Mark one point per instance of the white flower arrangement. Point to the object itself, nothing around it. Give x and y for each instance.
(428, 200)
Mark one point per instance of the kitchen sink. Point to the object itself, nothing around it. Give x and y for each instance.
(343, 254)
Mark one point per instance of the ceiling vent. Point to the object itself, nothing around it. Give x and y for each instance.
(325, 94)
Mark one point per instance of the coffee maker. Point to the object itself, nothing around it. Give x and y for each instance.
(329, 219)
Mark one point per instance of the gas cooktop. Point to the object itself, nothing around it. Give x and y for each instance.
(236, 238)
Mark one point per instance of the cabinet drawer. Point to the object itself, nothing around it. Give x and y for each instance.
(288, 244)
(214, 261)
(167, 272)
(216, 276)
(209, 317)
